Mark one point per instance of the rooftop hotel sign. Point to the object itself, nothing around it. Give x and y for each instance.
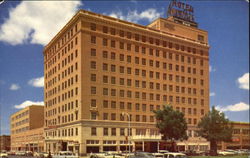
(181, 10)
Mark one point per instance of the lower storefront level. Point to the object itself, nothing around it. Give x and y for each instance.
(93, 137)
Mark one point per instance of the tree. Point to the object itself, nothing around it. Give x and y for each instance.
(172, 124)
(215, 127)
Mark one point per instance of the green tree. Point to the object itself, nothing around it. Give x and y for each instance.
(171, 124)
(215, 127)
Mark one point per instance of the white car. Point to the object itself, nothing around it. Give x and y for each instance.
(3, 154)
(224, 153)
(64, 154)
(158, 155)
(175, 155)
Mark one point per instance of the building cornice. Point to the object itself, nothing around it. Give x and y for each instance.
(81, 13)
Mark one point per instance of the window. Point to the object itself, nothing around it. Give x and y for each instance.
(93, 65)
(151, 51)
(137, 118)
(122, 132)
(129, 106)
(121, 57)
(113, 43)
(113, 104)
(143, 50)
(122, 33)
(113, 80)
(105, 29)
(113, 92)
(105, 67)
(129, 35)
(93, 131)
(200, 38)
(105, 131)
(105, 91)
(144, 118)
(93, 90)
(112, 31)
(129, 47)
(93, 77)
(93, 103)
(113, 131)
(93, 39)
(113, 116)
(105, 79)
(113, 68)
(93, 52)
(121, 69)
(105, 103)
(105, 42)
(128, 58)
(144, 107)
(113, 55)
(105, 54)
(122, 105)
(93, 116)
(105, 116)
(93, 27)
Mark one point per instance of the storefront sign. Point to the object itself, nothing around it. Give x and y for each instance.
(181, 10)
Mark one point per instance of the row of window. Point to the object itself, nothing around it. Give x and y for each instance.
(20, 130)
(144, 96)
(150, 85)
(241, 131)
(165, 55)
(65, 62)
(63, 132)
(141, 107)
(136, 118)
(60, 43)
(63, 108)
(145, 39)
(20, 115)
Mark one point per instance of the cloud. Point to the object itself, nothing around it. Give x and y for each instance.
(234, 108)
(134, 16)
(243, 81)
(212, 94)
(211, 69)
(14, 87)
(36, 22)
(37, 82)
(28, 103)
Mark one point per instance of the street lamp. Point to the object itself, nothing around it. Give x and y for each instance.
(125, 113)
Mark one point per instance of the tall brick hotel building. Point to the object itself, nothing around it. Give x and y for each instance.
(103, 74)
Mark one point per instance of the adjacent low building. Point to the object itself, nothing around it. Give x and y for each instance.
(240, 139)
(5, 143)
(27, 129)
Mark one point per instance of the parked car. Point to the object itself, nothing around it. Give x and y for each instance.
(41, 154)
(158, 155)
(175, 155)
(97, 155)
(64, 154)
(20, 153)
(28, 153)
(163, 151)
(141, 155)
(114, 155)
(225, 153)
(11, 153)
(3, 154)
